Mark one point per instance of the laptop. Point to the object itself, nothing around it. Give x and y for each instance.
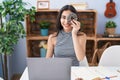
(49, 69)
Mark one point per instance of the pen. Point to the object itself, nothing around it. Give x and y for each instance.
(108, 78)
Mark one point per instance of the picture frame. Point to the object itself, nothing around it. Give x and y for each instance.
(42, 5)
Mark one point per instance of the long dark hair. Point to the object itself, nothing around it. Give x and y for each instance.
(58, 23)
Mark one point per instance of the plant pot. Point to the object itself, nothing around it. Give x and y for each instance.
(44, 32)
(43, 52)
(110, 31)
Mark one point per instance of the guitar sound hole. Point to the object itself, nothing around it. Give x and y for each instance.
(110, 8)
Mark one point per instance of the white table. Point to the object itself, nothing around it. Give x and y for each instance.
(87, 73)
(25, 75)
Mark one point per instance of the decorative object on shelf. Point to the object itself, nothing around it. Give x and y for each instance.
(44, 26)
(80, 6)
(110, 9)
(42, 4)
(43, 48)
(110, 27)
(12, 29)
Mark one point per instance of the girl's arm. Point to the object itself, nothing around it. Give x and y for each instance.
(50, 47)
(79, 40)
(79, 43)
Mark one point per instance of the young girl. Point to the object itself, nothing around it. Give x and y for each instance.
(68, 41)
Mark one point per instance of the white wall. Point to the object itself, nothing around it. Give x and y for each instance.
(19, 58)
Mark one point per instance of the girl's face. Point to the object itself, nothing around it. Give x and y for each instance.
(66, 26)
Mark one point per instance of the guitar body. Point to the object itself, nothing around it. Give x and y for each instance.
(110, 10)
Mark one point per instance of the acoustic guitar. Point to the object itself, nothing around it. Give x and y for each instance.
(110, 9)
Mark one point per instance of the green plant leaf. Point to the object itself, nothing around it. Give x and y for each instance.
(12, 29)
(110, 24)
(44, 24)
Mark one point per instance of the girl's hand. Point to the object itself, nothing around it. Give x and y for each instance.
(76, 26)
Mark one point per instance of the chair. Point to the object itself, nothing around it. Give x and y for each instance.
(98, 52)
(84, 62)
(111, 56)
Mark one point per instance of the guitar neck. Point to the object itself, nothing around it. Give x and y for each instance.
(111, 1)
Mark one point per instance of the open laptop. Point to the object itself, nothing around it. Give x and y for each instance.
(49, 69)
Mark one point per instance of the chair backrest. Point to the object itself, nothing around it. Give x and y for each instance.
(111, 56)
(98, 52)
(84, 62)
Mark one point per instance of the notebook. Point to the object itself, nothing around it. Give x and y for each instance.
(49, 69)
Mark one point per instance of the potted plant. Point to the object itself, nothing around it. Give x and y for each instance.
(43, 48)
(44, 26)
(13, 13)
(110, 27)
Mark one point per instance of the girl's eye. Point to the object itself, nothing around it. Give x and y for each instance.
(63, 17)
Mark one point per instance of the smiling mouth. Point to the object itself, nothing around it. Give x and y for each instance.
(67, 25)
